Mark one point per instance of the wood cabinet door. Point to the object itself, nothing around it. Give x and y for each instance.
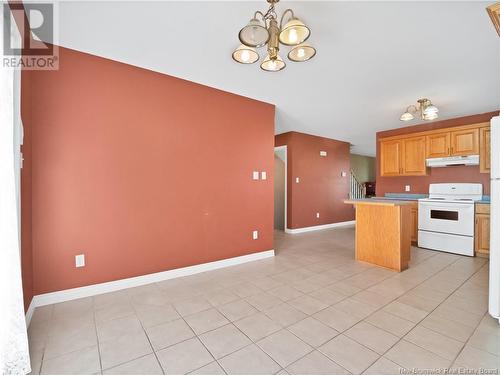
(413, 159)
(465, 142)
(438, 145)
(414, 224)
(484, 150)
(482, 234)
(390, 158)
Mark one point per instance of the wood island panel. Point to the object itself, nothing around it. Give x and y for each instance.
(383, 233)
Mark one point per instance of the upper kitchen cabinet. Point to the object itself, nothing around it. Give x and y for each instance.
(464, 142)
(484, 150)
(390, 158)
(413, 160)
(438, 145)
(452, 143)
(403, 157)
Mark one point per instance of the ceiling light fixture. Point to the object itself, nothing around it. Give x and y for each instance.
(263, 29)
(425, 108)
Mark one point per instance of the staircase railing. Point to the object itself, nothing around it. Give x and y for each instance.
(356, 189)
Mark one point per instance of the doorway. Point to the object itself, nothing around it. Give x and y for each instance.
(280, 188)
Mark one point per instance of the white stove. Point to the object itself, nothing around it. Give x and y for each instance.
(446, 218)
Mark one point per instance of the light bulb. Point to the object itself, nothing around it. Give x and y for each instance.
(292, 36)
(301, 52)
(273, 65)
(245, 56)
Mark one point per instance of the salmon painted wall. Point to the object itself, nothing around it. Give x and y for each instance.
(321, 187)
(420, 184)
(26, 230)
(142, 172)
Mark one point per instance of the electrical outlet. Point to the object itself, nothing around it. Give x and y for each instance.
(343, 174)
(317, 215)
(255, 234)
(323, 153)
(263, 175)
(297, 180)
(255, 175)
(407, 187)
(80, 260)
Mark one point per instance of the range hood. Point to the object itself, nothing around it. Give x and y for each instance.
(452, 161)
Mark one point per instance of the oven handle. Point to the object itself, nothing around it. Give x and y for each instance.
(445, 206)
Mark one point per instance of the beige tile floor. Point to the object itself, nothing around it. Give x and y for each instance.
(311, 310)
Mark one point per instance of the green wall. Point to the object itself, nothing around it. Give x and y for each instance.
(363, 167)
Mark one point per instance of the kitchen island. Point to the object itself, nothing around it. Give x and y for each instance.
(383, 232)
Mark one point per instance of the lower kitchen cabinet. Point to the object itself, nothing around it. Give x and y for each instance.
(482, 230)
(414, 223)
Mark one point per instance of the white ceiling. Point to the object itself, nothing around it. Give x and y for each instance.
(374, 58)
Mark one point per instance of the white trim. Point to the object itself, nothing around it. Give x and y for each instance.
(285, 147)
(29, 313)
(320, 227)
(111, 286)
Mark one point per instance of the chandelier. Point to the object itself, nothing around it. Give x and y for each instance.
(424, 108)
(263, 29)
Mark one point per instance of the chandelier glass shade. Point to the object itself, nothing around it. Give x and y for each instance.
(294, 32)
(263, 30)
(254, 34)
(273, 65)
(245, 55)
(426, 110)
(302, 52)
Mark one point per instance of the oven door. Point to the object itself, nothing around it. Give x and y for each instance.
(453, 218)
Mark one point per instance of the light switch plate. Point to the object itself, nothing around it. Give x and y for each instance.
(317, 215)
(407, 187)
(297, 180)
(323, 153)
(263, 175)
(255, 175)
(80, 260)
(343, 174)
(255, 234)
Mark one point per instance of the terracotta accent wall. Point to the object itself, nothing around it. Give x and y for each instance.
(142, 172)
(26, 239)
(321, 187)
(420, 184)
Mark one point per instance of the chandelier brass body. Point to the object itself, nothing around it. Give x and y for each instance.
(264, 30)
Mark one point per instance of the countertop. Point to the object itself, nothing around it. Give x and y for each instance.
(379, 202)
(405, 196)
(484, 201)
(416, 197)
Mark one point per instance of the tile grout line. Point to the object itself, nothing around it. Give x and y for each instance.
(241, 298)
(96, 335)
(197, 337)
(147, 337)
(342, 333)
(402, 338)
(381, 308)
(268, 274)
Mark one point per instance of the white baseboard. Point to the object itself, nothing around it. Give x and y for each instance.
(112, 286)
(320, 227)
(29, 313)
